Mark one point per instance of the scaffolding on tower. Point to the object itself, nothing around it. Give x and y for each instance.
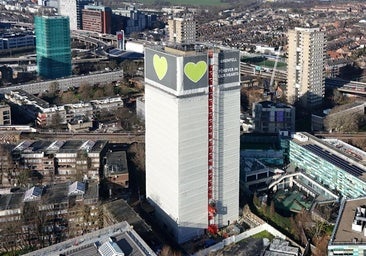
(212, 226)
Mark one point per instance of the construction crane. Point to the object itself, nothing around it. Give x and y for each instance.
(272, 89)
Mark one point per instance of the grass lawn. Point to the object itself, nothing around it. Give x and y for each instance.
(264, 234)
(189, 2)
(270, 64)
(264, 62)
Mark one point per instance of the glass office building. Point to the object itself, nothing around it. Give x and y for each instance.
(328, 165)
(53, 46)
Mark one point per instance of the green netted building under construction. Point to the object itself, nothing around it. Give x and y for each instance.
(53, 46)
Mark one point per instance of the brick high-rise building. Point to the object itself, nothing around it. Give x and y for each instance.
(97, 18)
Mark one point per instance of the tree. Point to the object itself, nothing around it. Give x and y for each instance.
(127, 118)
(338, 97)
(137, 151)
(6, 162)
(10, 236)
(53, 89)
(256, 200)
(22, 177)
(344, 122)
(85, 91)
(129, 67)
(272, 209)
(109, 90)
(360, 143)
(321, 245)
(37, 222)
(112, 64)
(296, 230)
(99, 93)
(69, 97)
(168, 251)
(56, 120)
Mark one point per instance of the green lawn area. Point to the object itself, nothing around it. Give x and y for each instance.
(264, 62)
(189, 2)
(264, 234)
(270, 64)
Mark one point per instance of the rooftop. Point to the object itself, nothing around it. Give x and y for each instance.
(116, 162)
(343, 232)
(39, 146)
(30, 97)
(121, 235)
(120, 211)
(332, 154)
(271, 104)
(10, 201)
(280, 247)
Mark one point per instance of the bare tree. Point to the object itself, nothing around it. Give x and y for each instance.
(272, 209)
(137, 151)
(85, 91)
(321, 245)
(109, 90)
(10, 237)
(53, 89)
(6, 162)
(344, 122)
(168, 251)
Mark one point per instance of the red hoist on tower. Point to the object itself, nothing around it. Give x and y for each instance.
(212, 227)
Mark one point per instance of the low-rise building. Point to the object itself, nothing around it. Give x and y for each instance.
(349, 233)
(80, 159)
(267, 148)
(107, 103)
(118, 239)
(281, 247)
(37, 110)
(79, 124)
(63, 210)
(61, 160)
(116, 169)
(336, 165)
(18, 40)
(78, 109)
(254, 175)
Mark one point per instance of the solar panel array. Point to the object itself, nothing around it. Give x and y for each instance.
(335, 160)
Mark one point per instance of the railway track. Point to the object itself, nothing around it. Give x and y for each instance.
(341, 135)
(125, 137)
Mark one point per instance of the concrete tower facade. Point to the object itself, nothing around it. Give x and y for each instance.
(73, 9)
(53, 46)
(192, 138)
(182, 30)
(305, 72)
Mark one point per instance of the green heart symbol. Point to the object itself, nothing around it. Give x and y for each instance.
(160, 66)
(195, 71)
